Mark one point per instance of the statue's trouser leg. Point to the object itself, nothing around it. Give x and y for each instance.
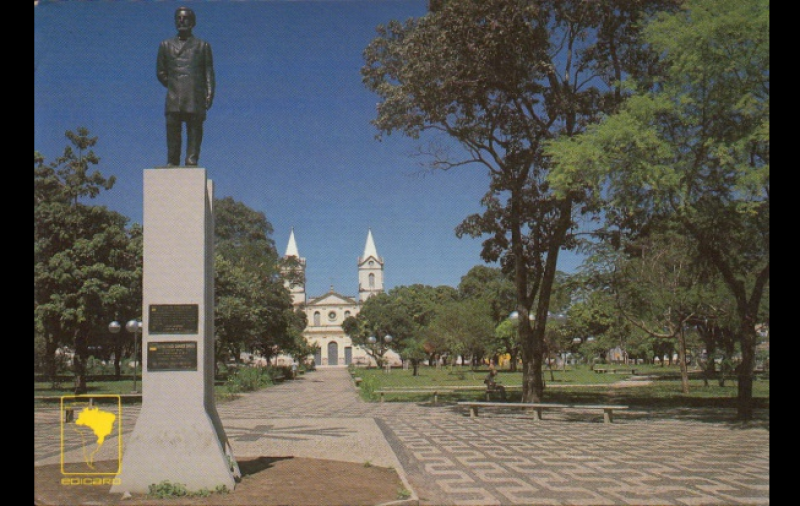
(173, 138)
(194, 137)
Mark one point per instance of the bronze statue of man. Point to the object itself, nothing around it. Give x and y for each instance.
(186, 68)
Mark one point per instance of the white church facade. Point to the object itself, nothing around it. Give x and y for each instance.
(326, 313)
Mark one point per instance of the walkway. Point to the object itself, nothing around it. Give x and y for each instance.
(684, 457)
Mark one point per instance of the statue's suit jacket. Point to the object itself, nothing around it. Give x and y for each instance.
(186, 69)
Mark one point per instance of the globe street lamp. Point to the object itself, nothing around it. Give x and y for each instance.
(134, 327)
(372, 340)
(514, 316)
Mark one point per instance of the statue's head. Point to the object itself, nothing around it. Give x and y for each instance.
(184, 19)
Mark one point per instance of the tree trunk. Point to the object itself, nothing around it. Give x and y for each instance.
(532, 380)
(745, 373)
(51, 369)
(682, 360)
(513, 358)
(117, 359)
(79, 361)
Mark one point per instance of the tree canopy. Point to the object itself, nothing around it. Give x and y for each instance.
(499, 78)
(691, 150)
(253, 308)
(87, 261)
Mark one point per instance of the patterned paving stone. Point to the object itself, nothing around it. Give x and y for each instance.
(682, 457)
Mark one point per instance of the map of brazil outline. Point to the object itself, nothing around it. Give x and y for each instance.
(94, 425)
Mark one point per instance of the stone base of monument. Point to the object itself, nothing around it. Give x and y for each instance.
(178, 435)
(186, 452)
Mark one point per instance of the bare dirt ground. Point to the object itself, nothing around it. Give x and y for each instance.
(266, 481)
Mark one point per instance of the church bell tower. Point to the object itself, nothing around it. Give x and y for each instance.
(294, 272)
(370, 271)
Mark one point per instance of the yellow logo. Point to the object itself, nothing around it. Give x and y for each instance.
(91, 436)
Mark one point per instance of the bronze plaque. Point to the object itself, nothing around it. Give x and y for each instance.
(172, 356)
(173, 319)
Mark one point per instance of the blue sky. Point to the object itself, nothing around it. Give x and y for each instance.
(288, 135)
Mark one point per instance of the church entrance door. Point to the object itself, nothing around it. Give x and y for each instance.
(348, 355)
(333, 353)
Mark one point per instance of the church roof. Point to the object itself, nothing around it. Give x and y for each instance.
(369, 247)
(291, 248)
(331, 298)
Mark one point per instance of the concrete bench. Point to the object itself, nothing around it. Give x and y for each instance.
(604, 370)
(357, 380)
(487, 391)
(537, 407)
(410, 391)
(438, 390)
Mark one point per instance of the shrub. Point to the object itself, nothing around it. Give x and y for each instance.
(95, 367)
(367, 386)
(278, 371)
(248, 379)
(166, 489)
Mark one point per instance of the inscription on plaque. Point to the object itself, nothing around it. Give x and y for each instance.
(173, 319)
(172, 356)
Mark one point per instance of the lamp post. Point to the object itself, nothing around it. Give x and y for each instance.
(372, 340)
(513, 317)
(561, 318)
(134, 327)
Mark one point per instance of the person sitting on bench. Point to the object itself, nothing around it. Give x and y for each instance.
(492, 385)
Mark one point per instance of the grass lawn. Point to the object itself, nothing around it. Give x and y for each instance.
(121, 387)
(575, 385)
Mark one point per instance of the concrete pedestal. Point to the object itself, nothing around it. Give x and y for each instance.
(178, 436)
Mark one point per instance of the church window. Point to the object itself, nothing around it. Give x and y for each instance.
(372, 280)
(347, 314)
(332, 315)
(316, 318)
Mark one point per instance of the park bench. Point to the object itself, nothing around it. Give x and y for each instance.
(435, 392)
(357, 380)
(492, 390)
(613, 370)
(488, 391)
(537, 407)
(438, 390)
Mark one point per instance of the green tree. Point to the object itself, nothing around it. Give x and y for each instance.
(404, 312)
(498, 78)
(660, 291)
(492, 286)
(253, 308)
(694, 148)
(87, 263)
(507, 342)
(495, 290)
(244, 236)
(467, 328)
